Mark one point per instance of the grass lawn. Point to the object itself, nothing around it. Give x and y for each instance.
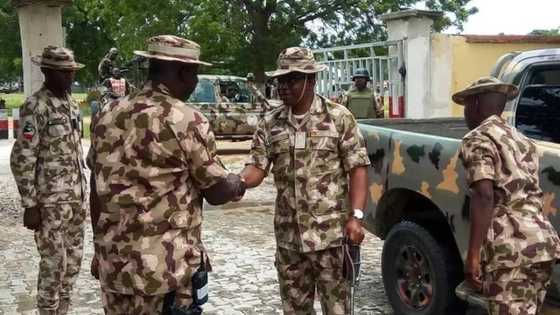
(15, 100)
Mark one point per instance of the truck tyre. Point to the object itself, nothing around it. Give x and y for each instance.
(419, 274)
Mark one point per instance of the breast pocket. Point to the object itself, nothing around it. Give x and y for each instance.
(280, 148)
(59, 131)
(324, 151)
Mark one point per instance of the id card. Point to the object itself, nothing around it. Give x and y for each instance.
(300, 140)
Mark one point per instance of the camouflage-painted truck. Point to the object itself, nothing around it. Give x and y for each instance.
(231, 106)
(419, 202)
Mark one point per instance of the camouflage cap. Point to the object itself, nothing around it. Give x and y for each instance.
(57, 58)
(172, 48)
(486, 85)
(296, 59)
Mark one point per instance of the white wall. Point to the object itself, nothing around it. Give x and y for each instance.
(415, 28)
(40, 26)
(441, 74)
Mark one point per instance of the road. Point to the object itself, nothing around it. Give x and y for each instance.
(241, 245)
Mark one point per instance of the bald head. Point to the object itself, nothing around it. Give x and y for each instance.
(479, 107)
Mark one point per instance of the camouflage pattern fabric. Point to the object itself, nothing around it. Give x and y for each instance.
(47, 165)
(151, 157)
(122, 304)
(519, 234)
(361, 103)
(60, 245)
(517, 291)
(46, 159)
(312, 204)
(300, 273)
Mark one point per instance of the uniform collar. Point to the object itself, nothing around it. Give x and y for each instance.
(317, 108)
(159, 88)
(57, 101)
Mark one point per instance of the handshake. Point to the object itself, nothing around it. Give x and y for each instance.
(230, 188)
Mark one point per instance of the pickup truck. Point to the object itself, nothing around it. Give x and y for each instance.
(418, 198)
(230, 105)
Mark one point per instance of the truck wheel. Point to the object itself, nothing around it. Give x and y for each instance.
(419, 273)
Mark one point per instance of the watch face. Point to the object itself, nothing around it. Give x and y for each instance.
(358, 214)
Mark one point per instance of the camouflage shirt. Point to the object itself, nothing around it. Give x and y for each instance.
(46, 159)
(310, 162)
(152, 156)
(519, 234)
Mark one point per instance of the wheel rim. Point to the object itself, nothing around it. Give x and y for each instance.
(414, 279)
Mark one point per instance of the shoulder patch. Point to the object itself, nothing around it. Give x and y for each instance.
(28, 131)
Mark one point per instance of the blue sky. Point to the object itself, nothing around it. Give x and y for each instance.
(512, 16)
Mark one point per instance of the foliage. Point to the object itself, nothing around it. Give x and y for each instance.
(551, 32)
(237, 36)
(10, 58)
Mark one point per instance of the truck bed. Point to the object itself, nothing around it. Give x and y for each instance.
(444, 127)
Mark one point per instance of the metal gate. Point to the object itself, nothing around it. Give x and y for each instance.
(383, 60)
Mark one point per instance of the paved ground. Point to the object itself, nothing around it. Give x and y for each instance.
(239, 237)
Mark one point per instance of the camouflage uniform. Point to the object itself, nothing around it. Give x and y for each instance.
(152, 156)
(313, 204)
(521, 243)
(361, 103)
(48, 167)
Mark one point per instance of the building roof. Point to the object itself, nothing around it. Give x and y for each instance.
(518, 39)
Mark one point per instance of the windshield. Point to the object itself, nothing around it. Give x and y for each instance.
(204, 92)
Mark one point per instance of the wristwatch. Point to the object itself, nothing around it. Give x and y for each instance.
(358, 214)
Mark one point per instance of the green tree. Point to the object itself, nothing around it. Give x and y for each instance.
(10, 58)
(246, 35)
(237, 36)
(551, 32)
(86, 36)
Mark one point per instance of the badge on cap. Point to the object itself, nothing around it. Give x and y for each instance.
(28, 131)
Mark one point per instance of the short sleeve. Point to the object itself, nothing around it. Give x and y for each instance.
(259, 155)
(200, 148)
(352, 145)
(479, 156)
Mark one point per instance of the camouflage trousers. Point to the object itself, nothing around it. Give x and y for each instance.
(301, 274)
(60, 244)
(517, 291)
(123, 304)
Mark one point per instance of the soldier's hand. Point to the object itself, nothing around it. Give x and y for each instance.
(354, 230)
(95, 267)
(473, 273)
(32, 218)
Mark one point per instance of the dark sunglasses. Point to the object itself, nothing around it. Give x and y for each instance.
(290, 79)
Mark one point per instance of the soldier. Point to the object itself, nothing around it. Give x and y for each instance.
(512, 245)
(254, 89)
(116, 85)
(105, 68)
(360, 99)
(154, 159)
(47, 164)
(319, 160)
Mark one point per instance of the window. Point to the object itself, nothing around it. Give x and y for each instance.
(538, 112)
(546, 76)
(204, 92)
(234, 91)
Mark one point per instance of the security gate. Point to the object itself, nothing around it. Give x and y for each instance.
(383, 60)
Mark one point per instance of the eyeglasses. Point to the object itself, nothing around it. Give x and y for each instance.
(289, 79)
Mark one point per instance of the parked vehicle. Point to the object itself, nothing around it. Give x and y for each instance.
(229, 104)
(419, 202)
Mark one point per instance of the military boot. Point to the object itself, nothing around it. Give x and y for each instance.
(43, 311)
(63, 307)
